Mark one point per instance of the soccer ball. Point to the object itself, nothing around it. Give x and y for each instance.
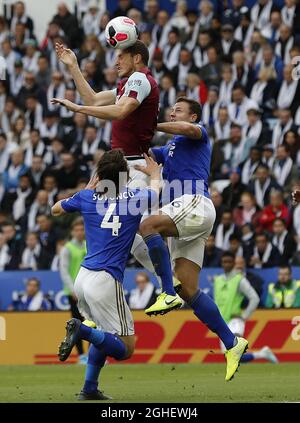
(121, 32)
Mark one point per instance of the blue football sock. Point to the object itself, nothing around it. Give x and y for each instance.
(110, 344)
(94, 336)
(247, 357)
(96, 360)
(207, 311)
(160, 258)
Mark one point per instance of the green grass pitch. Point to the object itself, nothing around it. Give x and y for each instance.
(154, 383)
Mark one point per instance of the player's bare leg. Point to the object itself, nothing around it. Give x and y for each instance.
(152, 229)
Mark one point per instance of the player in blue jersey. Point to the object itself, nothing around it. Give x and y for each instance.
(112, 214)
(186, 218)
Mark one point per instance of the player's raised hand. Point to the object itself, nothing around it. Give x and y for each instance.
(296, 197)
(151, 169)
(66, 103)
(66, 55)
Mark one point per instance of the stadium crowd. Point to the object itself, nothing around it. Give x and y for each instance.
(240, 64)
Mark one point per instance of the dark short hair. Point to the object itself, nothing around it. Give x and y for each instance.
(38, 282)
(77, 222)
(110, 165)
(139, 48)
(285, 266)
(228, 254)
(195, 107)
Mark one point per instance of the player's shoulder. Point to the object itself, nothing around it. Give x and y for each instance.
(138, 78)
(204, 134)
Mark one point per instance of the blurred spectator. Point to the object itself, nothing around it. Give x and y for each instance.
(19, 134)
(232, 193)
(268, 157)
(226, 85)
(22, 198)
(261, 12)
(144, 295)
(285, 293)
(70, 259)
(271, 29)
(6, 148)
(69, 172)
(250, 165)
(69, 24)
(212, 254)
(262, 185)
(272, 61)
(211, 107)
(235, 245)
(20, 16)
(264, 253)
(15, 169)
(211, 71)
(240, 105)
(200, 50)
(36, 171)
(4, 252)
(288, 96)
(222, 124)
(283, 240)
(247, 211)
(274, 210)
(167, 92)
(244, 31)
(91, 18)
(255, 281)
(32, 300)
(43, 74)
(253, 129)
(229, 44)
(291, 139)
(14, 242)
(291, 15)
(123, 7)
(34, 257)
(48, 233)
(283, 166)
(172, 48)
(40, 206)
(224, 230)
(284, 43)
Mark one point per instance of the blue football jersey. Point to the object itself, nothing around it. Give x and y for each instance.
(110, 226)
(186, 160)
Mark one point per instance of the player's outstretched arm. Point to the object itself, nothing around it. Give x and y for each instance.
(113, 112)
(188, 129)
(57, 210)
(87, 94)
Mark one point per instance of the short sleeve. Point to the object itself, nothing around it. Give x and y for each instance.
(137, 86)
(72, 204)
(159, 154)
(204, 134)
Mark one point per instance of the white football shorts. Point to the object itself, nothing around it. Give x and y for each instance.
(101, 299)
(194, 217)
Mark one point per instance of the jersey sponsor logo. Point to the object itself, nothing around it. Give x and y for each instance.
(137, 82)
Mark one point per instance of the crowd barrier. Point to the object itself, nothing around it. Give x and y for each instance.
(14, 281)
